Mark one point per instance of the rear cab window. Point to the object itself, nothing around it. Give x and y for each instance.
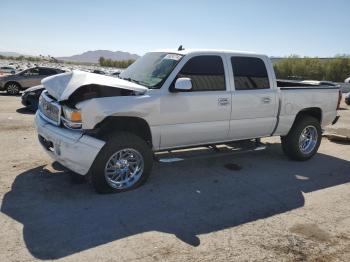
(249, 73)
(206, 73)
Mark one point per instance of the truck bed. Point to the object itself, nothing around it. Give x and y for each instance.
(295, 96)
(289, 84)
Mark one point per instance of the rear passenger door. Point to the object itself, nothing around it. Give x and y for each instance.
(254, 100)
(202, 115)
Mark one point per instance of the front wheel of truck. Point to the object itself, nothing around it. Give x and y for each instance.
(303, 140)
(124, 163)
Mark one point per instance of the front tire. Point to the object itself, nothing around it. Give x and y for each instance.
(13, 88)
(303, 140)
(124, 163)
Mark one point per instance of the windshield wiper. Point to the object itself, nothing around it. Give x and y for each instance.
(134, 81)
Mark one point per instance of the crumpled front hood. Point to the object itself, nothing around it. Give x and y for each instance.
(61, 86)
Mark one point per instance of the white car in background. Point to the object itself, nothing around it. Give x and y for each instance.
(347, 80)
(4, 70)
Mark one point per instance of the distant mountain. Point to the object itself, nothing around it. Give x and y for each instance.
(93, 56)
(10, 54)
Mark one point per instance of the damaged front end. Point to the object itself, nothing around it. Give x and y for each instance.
(58, 104)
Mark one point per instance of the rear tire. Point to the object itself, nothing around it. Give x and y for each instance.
(303, 140)
(124, 163)
(13, 88)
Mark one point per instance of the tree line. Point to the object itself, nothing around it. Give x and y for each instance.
(335, 69)
(22, 58)
(115, 63)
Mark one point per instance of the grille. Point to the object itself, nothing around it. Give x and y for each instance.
(49, 109)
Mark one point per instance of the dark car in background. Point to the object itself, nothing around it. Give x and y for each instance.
(97, 71)
(30, 97)
(13, 84)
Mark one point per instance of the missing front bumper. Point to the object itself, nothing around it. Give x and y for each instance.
(72, 149)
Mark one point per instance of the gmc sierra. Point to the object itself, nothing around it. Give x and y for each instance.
(112, 129)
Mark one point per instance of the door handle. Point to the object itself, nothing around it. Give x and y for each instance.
(266, 100)
(222, 101)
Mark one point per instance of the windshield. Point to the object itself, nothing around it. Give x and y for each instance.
(152, 69)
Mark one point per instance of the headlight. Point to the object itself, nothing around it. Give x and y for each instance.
(72, 117)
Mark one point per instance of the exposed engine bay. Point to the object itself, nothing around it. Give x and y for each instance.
(95, 91)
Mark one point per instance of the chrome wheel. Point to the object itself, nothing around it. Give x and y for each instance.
(12, 89)
(124, 168)
(308, 139)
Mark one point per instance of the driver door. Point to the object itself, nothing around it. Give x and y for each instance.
(201, 115)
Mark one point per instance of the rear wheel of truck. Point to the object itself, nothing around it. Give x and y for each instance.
(124, 163)
(303, 140)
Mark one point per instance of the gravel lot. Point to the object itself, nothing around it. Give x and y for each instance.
(265, 208)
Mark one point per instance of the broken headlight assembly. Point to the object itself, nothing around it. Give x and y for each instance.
(71, 118)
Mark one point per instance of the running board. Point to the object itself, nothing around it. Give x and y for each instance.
(209, 151)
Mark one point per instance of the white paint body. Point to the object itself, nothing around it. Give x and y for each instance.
(185, 119)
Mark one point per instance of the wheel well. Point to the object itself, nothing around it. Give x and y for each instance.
(312, 111)
(14, 82)
(135, 125)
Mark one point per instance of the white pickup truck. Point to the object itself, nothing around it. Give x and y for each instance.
(111, 129)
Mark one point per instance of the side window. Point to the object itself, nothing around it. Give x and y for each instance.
(249, 73)
(32, 72)
(47, 71)
(206, 72)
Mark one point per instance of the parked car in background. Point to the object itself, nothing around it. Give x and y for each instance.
(13, 84)
(30, 97)
(116, 73)
(7, 70)
(111, 128)
(347, 99)
(97, 71)
(347, 80)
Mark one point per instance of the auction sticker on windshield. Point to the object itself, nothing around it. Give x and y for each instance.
(173, 57)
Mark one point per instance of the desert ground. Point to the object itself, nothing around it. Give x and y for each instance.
(257, 206)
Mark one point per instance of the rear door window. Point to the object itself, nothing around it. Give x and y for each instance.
(47, 71)
(249, 73)
(32, 72)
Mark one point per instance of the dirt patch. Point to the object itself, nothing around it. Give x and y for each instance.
(21, 128)
(311, 231)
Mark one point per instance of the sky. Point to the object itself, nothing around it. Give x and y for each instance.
(273, 27)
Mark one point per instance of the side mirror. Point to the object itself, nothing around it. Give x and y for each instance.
(183, 84)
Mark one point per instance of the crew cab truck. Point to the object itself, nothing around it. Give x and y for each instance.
(109, 129)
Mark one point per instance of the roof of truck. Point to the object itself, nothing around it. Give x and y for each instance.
(190, 51)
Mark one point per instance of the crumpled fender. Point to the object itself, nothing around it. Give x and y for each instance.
(61, 86)
(96, 109)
